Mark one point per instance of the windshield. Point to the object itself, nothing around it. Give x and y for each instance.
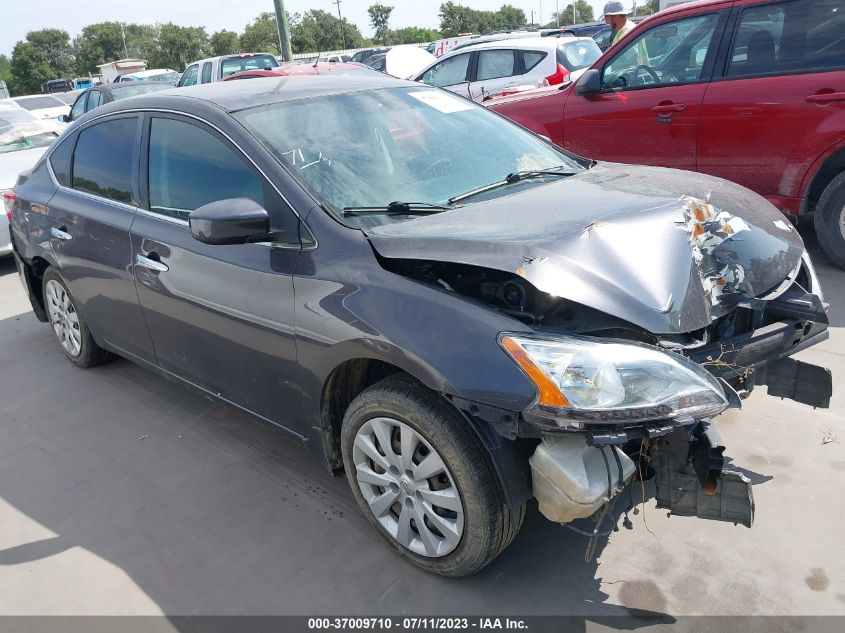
(246, 62)
(371, 148)
(130, 91)
(20, 130)
(39, 103)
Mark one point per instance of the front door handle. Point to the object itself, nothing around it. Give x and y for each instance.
(151, 263)
(60, 233)
(669, 108)
(826, 97)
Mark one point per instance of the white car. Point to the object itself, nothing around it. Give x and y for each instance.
(207, 71)
(489, 69)
(154, 74)
(43, 106)
(23, 140)
(336, 58)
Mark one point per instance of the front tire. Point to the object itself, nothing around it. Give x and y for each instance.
(830, 220)
(68, 325)
(424, 480)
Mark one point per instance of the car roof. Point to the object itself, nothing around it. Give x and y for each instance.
(211, 59)
(543, 43)
(287, 70)
(110, 87)
(239, 95)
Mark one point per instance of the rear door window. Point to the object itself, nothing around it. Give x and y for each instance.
(495, 64)
(206, 73)
(103, 159)
(789, 37)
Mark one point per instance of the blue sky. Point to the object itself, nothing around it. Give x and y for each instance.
(21, 17)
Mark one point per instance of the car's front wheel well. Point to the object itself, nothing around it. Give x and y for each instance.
(343, 385)
(830, 169)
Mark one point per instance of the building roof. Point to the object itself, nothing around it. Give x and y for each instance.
(124, 62)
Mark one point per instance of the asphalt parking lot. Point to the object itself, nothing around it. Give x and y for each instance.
(123, 493)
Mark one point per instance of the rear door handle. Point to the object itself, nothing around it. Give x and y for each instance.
(826, 97)
(668, 108)
(152, 264)
(60, 233)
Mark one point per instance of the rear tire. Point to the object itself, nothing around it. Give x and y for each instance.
(416, 425)
(830, 220)
(68, 324)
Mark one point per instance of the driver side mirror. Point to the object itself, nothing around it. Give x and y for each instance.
(64, 118)
(589, 83)
(231, 221)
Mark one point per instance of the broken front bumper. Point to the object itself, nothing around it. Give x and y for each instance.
(573, 478)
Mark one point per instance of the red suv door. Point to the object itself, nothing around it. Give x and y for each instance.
(776, 104)
(652, 87)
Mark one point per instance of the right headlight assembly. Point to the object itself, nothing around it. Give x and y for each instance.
(582, 380)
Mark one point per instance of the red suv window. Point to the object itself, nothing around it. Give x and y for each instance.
(789, 37)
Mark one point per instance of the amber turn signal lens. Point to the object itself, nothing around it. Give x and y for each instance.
(550, 395)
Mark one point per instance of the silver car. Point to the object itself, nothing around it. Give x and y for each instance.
(23, 140)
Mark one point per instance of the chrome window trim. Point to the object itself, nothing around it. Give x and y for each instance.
(160, 216)
(157, 215)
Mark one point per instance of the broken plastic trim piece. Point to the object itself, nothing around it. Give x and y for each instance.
(680, 466)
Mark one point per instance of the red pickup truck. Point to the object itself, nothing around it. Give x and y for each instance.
(749, 90)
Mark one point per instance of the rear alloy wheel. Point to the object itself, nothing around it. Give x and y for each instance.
(830, 220)
(68, 325)
(423, 478)
(63, 318)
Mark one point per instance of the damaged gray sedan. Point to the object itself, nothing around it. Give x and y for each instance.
(449, 309)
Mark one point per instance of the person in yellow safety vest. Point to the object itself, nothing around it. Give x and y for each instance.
(616, 17)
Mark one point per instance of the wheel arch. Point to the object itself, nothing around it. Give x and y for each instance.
(823, 171)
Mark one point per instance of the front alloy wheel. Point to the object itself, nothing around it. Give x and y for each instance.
(408, 487)
(424, 479)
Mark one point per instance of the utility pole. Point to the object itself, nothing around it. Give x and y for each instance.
(574, 19)
(340, 17)
(284, 33)
(123, 34)
(557, 12)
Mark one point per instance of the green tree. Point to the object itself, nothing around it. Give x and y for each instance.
(29, 69)
(583, 13)
(178, 46)
(56, 46)
(379, 17)
(648, 7)
(261, 35)
(97, 44)
(141, 41)
(224, 43)
(509, 18)
(5, 69)
(413, 35)
(456, 18)
(318, 30)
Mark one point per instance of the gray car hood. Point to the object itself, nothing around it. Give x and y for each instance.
(667, 250)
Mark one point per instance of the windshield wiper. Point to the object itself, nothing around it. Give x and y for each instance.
(398, 208)
(512, 178)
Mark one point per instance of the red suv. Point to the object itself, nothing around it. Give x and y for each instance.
(749, 90)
